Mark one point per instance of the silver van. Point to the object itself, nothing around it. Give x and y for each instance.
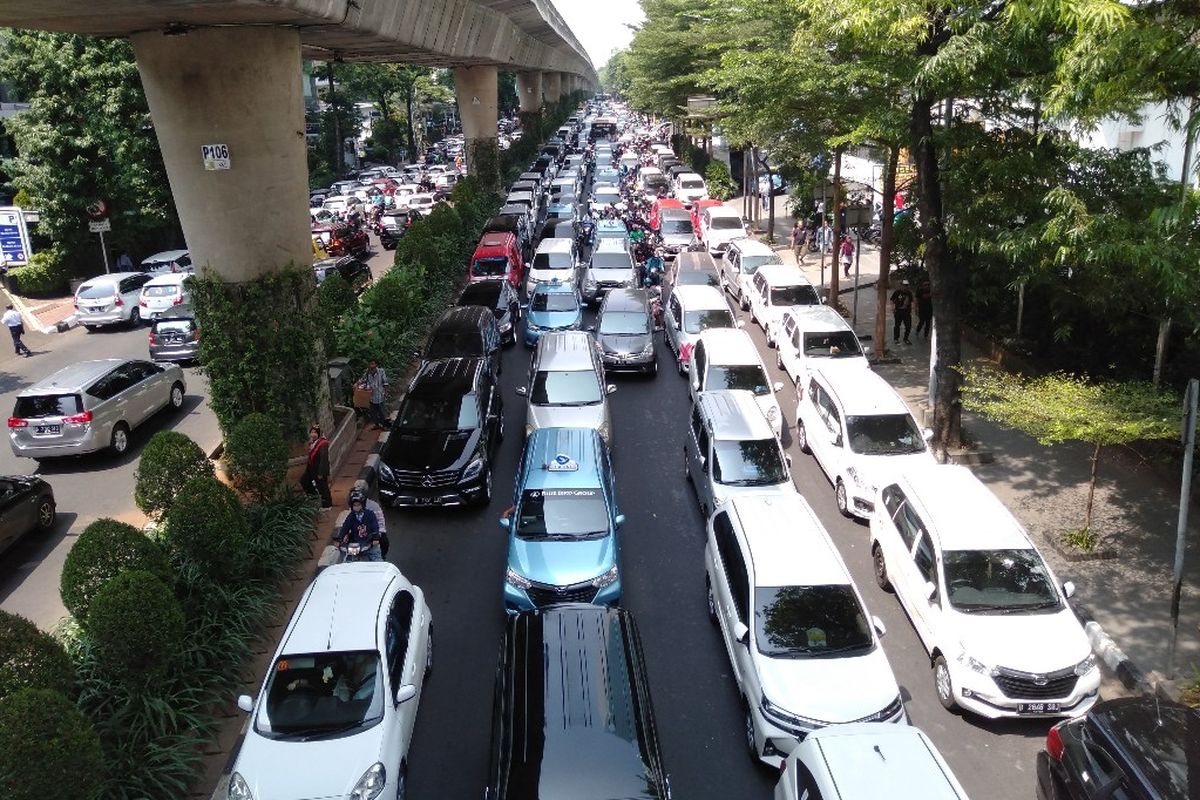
(566, 386)
(91, 406)
(110, 299)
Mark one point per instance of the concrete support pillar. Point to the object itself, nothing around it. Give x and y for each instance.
(529, 92)
(238, 87)
(478, 105)
(552, 86)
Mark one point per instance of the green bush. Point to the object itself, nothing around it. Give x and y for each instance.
(105, 549)
(718, 180)
(206, 526)
(45, 274)
(136, 627)
(256, 455)
(169, 460)
(48, 748)
(30, 659)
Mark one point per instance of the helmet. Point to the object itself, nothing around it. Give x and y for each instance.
(358, 496)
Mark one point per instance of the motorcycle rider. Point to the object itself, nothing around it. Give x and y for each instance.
(361, 527)
(372, 505)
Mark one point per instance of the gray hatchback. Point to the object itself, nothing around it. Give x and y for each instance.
(174, 339)
(91, 406)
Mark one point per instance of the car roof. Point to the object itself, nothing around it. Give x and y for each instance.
(111, 277)
(164, 256)
(783, 275)
(1159, 738)
(553, 287)
(488, 291)
(459, 317)
(818, 318)
(170, 278)
(447, 375)
(874, 760)
(74, 377)
(753, 247)
(496, 239)
(580, 446)
(799, 553)
(610, 245)
(729, 346)
(555, 246)
(860, 392)
(696, 298)
(722, 210)
(565, 350)
(965, 514)
(734, 415)
(695, 261)
(341, 609)
(625, 300)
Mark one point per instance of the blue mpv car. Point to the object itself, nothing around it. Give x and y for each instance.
(562, 535)
(553, 306)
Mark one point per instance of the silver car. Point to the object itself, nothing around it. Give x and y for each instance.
(566, 385)
(90, 406)
(110, 299)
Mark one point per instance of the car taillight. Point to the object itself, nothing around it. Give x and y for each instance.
(17, 422)
(1054, 744)
(196, 335)
(151, 338)
(178, 301)
(118, 301)
(78, 419)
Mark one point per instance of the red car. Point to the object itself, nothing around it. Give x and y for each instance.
(497, 257)
(698, 208)
(657, 208)
(340, 239)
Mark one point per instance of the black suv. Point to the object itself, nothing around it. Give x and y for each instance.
(393, 224)
(355, 272)
(501, 299)
(441, 445)
(465, 332)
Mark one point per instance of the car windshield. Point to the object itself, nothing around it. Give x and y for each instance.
(624, 323)
(160, 291)
(799, 295)
(998, 580)
(174, 326)
(693, 278)
(322, 694)
(562, 212)
(704, 319)
(836, 344)
(95, 291)
(754, 462)
(692, 183)
(884, 434)
(607, 195)
(612, 261)
(492, 266)
(750, 264)
(738, 376)
(725, 223)
(439, 413)
(47, 405)
(454, 344)
(554, 301)
(656, 180)
(810, 621)
(675, 227)
(548, 514)
(553, 261)
(576, 387)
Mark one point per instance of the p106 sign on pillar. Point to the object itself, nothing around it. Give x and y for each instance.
(215, 156)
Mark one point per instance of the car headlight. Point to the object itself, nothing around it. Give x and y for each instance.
(603, 430)
(786, 719)
(975, 665)
(385, 471)
(506, 326)
(238, 788)
(773, 414)
(649, 348)
(532, 326)
(513, 578)
(607, 579)
(1086, 666)
(473, 470)
(370, 784)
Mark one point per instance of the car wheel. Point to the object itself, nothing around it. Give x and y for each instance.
(745, 304)
(942, 684)
(486, 497)
(402, 781)
(802, 437)
(90, 328)
(177, 396)
(653, 369)
(46, 514)
(712, 603)
(843, 500)
(751, 742)
(135, 317)
(881, 576)
(120, 439)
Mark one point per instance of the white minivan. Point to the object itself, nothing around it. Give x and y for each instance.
(165, 295)
(726, 358)
(740, 263)
(774, 288)
(813, 335)
(554, 260)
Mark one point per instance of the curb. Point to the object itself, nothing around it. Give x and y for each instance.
(31, 320)
(1128, 673)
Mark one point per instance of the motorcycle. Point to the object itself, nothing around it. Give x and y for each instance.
(354, 551)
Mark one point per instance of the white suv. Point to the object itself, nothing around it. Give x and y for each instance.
(859, 430)
(805, 653)
(726, 358)
(720, 225)
(774, 289)
(689, 187)
(740, 262)
(813, 335)
(1003, 640)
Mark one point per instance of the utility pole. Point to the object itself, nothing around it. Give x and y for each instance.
(1185, 497)
(338, 159)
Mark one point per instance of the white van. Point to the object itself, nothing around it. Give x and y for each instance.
(809, 336)
(165, 295)
(726, 358)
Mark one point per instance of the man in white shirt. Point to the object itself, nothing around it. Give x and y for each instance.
(12, 319)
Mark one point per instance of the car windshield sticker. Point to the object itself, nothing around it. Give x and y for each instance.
(563, 463)
(816, 638)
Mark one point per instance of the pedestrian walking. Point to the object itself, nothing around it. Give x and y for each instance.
(376, 380)
(902, 302)
(847, 250)
(12, 318)
(824, 236)
(924, 309)
(316, 471)
(799, 239)
(123, 261)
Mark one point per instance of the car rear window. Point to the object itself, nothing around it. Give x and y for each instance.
(174, 325)
(47, 405)
(161, 291)
(95, 291)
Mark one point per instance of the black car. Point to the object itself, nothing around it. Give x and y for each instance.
(353, 271)
(516, 223)
(572, 709)
(26, 504)
(394, 224)
(441, 445)
(1133, 748)
(501, 299)
(558, 229)
(625, 332)
(465, 332)
(174, 339)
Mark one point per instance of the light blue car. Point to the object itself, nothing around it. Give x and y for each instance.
(562, 535)
(553, 306)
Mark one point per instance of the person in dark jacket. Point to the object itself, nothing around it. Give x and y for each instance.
(316, 472)
(361, 526)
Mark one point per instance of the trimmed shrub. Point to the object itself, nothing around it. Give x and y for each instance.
(136, 627)
(207, 527)
(48, 748)
(30, 659)
(169, 460)
(256, 455)
(105, 549)
(44, 275)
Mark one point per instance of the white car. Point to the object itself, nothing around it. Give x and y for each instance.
(813, 335)
(860, 432)
(995, 621)
(566, 386)
(168, 261)
(335, 714)
(690, 311)
(604, 195)
(421, 202)
(554, 260)
(720, 225)
(804, 651)
(775, 288)
(690, 187)
(726, 358)
(165, 295)
(740, 262)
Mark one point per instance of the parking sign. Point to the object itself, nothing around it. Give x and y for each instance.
(14, 237)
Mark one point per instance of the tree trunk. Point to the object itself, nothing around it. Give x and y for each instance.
(412, 128)
(1087, 514)
(1160, 349)
(885, 249)
(339, 162)
(946, 280)
(835, 256)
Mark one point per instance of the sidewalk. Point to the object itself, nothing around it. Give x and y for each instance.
(1135, 509)
(44, 315)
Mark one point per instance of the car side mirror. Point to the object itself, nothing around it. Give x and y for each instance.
(245, 702)
(777, 386)
(741, 323)
(521, 391)
(930, 590)
(1068, 589)
(619, 520)
(612, 387)
(927, 434)
(590, 328)
(405, 692)
(880, 628)
(741, 632)
(823, 300)
(836, 441)
(866, 351)
(787, 459)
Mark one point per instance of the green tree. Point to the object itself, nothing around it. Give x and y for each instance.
(168, 461)
(48, 748)
(614, 75)
(105, 549)
(136, 627)
(31, 659)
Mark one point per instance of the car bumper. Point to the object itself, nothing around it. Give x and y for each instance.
(461, 494)
(162, 353)
(640, 362)
(90, 442)
(980, 695)
(773, 744)
(101, 317)
(517, 600)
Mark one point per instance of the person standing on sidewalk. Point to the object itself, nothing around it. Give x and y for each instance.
(123, 261)
(316, 471)
(902, 302)
(824, 235)
(924, 309)
(376, 380)
(847, 251)
(799, 234)
(12, 318)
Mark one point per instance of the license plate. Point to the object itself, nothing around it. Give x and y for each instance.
(1039, 708)
(46, 429)
(424, 501)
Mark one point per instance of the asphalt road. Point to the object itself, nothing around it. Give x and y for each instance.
(458, 558)
(85, 487)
